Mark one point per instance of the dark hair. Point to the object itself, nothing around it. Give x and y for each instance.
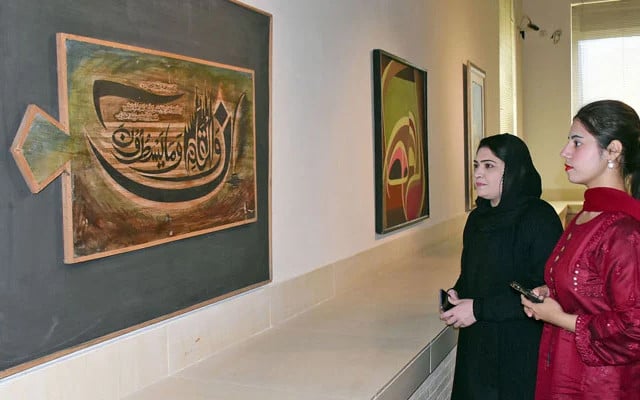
(609, 120)
(520, 179)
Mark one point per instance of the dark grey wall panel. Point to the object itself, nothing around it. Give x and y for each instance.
(47, 306)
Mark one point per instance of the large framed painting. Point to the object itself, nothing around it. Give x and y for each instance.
(155, 147)
(474, 127)
(401, 145)
(156, 119)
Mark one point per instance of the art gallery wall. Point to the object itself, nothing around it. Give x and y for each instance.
(322, 189)
(322, 126)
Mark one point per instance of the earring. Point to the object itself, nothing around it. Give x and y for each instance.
(610, 164)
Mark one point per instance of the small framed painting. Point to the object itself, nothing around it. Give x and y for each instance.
(474, 126)
(401, 156)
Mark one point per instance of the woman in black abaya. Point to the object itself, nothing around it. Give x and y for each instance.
(508, 237)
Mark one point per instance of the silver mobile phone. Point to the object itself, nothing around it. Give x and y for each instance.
(526, 292)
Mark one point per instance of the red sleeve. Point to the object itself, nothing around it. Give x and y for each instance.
(613, 337)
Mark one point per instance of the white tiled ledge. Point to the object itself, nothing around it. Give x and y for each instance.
(379, 340)
(361, 328)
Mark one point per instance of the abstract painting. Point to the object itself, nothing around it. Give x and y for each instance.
(401, 151)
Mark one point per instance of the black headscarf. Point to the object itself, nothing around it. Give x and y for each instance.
(521, 183)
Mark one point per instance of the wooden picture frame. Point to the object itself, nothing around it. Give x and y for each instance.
(474, 126)
(401, 145)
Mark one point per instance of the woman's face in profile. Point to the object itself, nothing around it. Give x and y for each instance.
(584, 161)
(487, 172)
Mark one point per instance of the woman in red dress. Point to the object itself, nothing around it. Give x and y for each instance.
(590, 347)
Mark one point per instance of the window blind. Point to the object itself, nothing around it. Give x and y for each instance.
(606, 52)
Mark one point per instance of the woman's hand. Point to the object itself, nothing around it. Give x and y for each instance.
(453, 294)
(545, 311)
(549, 311)
(461, 315)
(542, 291)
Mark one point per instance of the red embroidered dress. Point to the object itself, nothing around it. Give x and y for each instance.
(594, 272)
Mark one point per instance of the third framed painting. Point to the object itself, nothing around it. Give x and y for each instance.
(474, 127)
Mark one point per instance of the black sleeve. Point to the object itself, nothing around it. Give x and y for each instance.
(460, 282)
(538, 233)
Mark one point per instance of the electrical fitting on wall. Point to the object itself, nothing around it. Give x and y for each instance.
(527, 24)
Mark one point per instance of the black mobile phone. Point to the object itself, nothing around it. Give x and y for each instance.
(526, 292)
(444, 301)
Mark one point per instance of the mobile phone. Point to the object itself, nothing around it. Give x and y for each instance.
(444, 301)
(525, 292)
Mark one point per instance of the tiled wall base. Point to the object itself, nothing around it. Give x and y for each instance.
(429, 362)
(438, 385)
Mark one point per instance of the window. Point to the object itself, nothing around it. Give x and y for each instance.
(606, 52)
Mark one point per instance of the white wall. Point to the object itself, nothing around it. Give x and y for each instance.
(546, 76)
(322, 123)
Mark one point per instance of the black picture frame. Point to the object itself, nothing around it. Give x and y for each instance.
(401, 142)
(50, 309)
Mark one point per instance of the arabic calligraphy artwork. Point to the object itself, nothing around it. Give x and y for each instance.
(401, 156)
(152, 147)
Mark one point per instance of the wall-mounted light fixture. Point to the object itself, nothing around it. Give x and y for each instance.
(526, 23)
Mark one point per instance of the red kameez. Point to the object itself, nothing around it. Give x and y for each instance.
(594, 272)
